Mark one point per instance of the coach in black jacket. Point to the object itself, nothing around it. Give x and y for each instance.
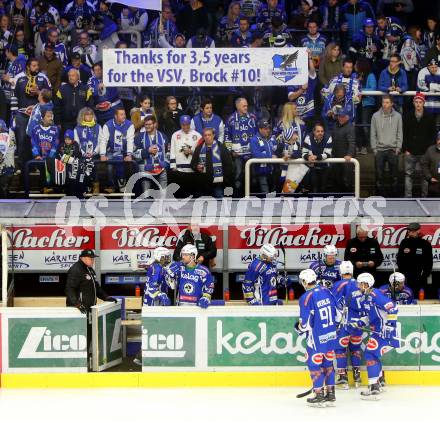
(205, 246)
(364, 253)
(82, 290)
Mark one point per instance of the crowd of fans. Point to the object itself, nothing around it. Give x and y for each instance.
(54, 107)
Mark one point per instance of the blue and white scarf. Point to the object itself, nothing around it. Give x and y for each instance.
(217, 167)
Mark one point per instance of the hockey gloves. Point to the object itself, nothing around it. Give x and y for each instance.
(255, 302)
(203, 302)
(164, 300)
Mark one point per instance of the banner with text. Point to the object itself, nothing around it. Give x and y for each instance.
(303, 244)
(205, 67)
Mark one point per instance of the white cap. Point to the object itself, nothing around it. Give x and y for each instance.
(330, 250)
(346, 267)
(268, 250)
(367, 278)
(307, 276)
(397, 277)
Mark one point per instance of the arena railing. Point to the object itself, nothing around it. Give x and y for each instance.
(406, 93)
(252, 161)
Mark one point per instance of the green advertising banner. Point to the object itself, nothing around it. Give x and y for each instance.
(38, 341)
(106, 336)
(263, 339)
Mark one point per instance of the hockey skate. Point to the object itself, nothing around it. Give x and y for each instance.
(357, 377)
(330, 397)
(382, 383)
(372, 393)
(342, 381)
(317, 401)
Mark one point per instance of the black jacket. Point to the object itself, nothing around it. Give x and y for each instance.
(81, 286)
(363, 251)
(226, 164)
(418, 135)
(343, 140)
(169, 122)
(414, 260)
(205, 246)
(68, 102)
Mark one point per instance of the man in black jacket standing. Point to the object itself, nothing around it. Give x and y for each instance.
(415, 259)
(82, 289)
(363, 252)
(203, 242)
(418, 131)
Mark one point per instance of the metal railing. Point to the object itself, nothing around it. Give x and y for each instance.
(355, 162)
(406, 93)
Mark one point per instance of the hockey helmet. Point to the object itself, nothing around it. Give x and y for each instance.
(160, 253)
(366, 278)
(307, 277)
(397, 277)
(189, 249)
(269, 251)
(346, 267)
(330, 250)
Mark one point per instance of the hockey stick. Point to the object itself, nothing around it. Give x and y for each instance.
(393, 292)
(304, 394)
(418, 341)
(285, 273)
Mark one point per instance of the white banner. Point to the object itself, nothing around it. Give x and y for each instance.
(141, 4)
(205, 67)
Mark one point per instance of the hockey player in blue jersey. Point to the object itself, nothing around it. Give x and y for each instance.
(192, 280)
(260, 282)
(156, 287)
(318, 320)
(327, 270)
(350, 300)
(397, 290)
(382, 321)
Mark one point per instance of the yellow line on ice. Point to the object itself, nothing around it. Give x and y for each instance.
(192, 379)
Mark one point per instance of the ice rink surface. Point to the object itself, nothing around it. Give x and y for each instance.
(398, 403)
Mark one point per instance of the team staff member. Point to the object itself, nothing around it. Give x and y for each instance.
(414, 258)
(82, 290)
(364, 253)
(207, 251)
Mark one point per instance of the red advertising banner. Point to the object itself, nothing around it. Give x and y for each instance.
(120, 244)
(302, 243)
(390, 236)
(47, 248)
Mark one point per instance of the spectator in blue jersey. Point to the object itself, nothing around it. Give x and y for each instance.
(28, 85)
(317, 147)
(206, 118)
(44, 103)
(367, 106)
(201, 40)
(229, 23)
(428, 80)
(331, 16)
(267, 12)
(354, 13)
(162, 30)
(314, 41)
(397, 290)
(303, 96)
(413, 54)
(242, 36)
(263, 145)
(212, 163)
(289, 118)
(240, 127)
(365, 43)
(105, 99)
(334, 103)
(393, 80)
(151, 148)
(60, 48)
(16, 64)
(80, 13)
(44, 140)
(87, 134)
(117, 143)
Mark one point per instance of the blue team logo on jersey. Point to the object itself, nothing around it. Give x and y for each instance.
(284, 66)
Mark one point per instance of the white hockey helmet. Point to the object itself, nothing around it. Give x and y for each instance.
(366, 278)
(189, 249)
(269, 251)
(397, 277)
(161, 252)
(330, 250)
(307, 277)
(346, 267)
